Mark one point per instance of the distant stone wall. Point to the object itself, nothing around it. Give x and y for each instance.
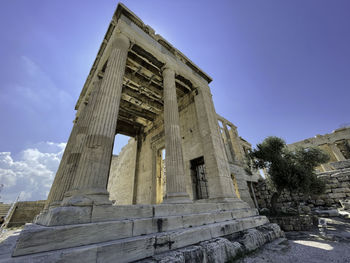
(337, 188)
(4, 208)
(122, 172)
(25, 212)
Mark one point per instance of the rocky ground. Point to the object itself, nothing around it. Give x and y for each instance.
(326, 244)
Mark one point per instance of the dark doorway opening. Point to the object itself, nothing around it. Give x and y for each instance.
(199, 179)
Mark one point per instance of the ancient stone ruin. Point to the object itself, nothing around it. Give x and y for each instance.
(336, 175)
(196, 199)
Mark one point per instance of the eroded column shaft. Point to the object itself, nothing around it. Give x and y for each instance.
(175, 184)
(69, 163)
(56, 187)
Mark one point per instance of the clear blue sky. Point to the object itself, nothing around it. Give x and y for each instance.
(278, 67)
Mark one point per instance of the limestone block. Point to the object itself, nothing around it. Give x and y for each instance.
(162, 243)
(337, 195)
(225, 228)
(65, 215)
(345, 204)
(108, 212)
(344, 184)
(253, 239)
(344, 178)
(198, 219)
(88, 254)
(233, 205)
(126, 250)
(169, 223)
(253, 222)
(320, 202)
(37, 238)
(154, 225)
(221, 250)
(173, 209)
(240, 213)
(341, 190)
(144, 227)
(189, 236)
(193, 253)
(172, 256)
(331, 212)
(222, 216)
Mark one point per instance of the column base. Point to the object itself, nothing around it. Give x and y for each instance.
(76, 208)
(87, 197)
(177, 198)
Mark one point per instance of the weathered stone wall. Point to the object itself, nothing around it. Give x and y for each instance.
(337, 188)
(122, 174)
(4, 209)
(25, 212)
(129, 177)
(243, 179)
(294, 223)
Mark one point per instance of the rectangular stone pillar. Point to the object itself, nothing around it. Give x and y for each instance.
(220, 186)
(337, 153)
(229, 143)
(237, 147)
(174, 164)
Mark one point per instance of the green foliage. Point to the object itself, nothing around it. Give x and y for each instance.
(289, 170)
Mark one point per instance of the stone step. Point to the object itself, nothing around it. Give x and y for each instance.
(135, 248)
(4, 209)
(45, 238)
(107, 213)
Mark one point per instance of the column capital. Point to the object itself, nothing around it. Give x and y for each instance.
(167, 69)
(121, 41)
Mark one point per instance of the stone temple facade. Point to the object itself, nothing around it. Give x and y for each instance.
(186, 182)
(127, 185)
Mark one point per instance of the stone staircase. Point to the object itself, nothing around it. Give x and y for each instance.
(4, 208)
(130, 233)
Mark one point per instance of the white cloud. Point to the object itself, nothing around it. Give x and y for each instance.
(32, 174)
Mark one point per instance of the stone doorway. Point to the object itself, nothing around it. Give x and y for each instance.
(199, 179)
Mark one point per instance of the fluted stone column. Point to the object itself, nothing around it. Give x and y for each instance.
(57, 183)
(90, 182)
(174, 164)
(70, 160)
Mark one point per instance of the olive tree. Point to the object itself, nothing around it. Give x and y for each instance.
(290, 170)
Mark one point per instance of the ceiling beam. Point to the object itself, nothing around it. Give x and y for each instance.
(135, 111)
(141, 83)
(139, 103)
(143, 98)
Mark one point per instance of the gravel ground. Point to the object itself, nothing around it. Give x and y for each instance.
(308, 247)
(303, 251)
